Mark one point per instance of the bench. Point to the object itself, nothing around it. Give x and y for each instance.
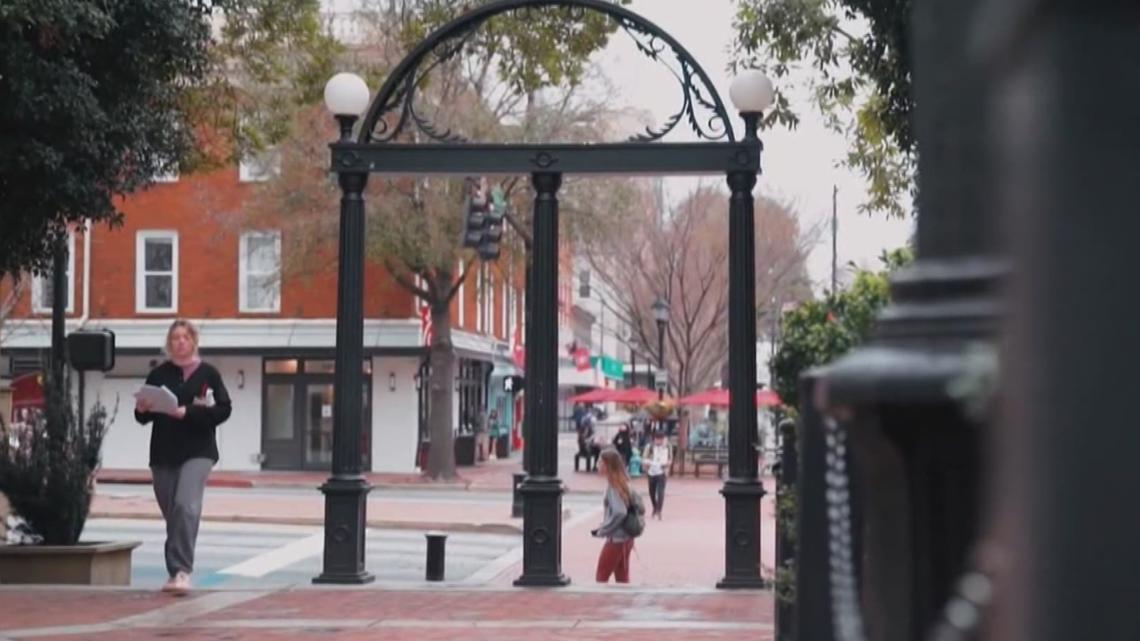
(591, 458)
(708, 456)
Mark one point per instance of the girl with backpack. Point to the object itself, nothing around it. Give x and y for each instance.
(624, 519)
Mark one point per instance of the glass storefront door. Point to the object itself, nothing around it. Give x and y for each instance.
(297, 411)
(318, 425)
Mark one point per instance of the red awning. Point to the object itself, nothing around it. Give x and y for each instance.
(720, 398)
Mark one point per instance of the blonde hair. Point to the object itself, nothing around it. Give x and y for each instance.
(190, 328)
(616, 474)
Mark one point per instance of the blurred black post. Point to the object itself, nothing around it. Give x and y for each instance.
(906, 400)
(59, 288)
(1068, 137)
(812, 611)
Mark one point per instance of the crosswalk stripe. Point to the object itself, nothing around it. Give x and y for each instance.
(278, 558)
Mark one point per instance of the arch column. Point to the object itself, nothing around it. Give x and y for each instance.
(742, 491)
(542, 490)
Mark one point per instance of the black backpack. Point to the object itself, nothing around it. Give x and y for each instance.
(634, 523)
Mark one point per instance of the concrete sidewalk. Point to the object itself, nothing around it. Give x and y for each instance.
(489, 475)
(424, 614)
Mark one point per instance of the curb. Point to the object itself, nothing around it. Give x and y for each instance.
(470, 528)
(248, 484)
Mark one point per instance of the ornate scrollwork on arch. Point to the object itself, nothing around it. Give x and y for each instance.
(395, 113)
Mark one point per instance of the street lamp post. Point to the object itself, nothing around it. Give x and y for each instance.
(346, 491)
(751, 93)
(661, 315)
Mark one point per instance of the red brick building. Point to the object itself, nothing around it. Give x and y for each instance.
(183, 251)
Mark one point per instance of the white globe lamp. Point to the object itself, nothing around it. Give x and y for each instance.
(346, 97)
(752, 92)
(346, 94)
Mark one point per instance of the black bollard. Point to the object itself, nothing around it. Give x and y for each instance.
(516, 498)
(436, 552)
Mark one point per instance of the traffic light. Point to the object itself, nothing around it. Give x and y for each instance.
(489, 246)
(477, 210)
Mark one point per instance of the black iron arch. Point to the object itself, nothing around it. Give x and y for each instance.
(386, 151)
(398, 93)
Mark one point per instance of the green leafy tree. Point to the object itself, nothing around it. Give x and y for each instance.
(855, 54)
(820, 331)
(816, 333)
(97, 97)
(516, 78)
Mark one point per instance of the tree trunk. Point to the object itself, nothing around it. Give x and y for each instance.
(441, 455)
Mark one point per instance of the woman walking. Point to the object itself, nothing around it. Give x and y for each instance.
(659, 457)
(183, 447)
(614, 557)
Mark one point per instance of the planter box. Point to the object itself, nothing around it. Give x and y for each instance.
(81, 564)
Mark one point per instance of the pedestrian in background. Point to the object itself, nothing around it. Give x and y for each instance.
(492, 432)
(623, 443)
(183, 445)
(658, 458)
(480, 430)
(613, 560)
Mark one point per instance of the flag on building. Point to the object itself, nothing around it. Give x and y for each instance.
(425, 324)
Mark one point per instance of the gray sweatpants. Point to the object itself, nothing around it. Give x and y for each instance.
(179, 491)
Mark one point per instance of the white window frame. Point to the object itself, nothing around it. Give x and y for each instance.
(506, 310)
(492, 308)
(244, 273)
(41, 306)
(480, 316)
(141, 273)
(260, 168)
(460, 294)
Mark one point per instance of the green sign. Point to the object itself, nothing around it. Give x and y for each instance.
(611, 367)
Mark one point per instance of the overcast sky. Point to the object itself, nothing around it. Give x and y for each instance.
(798, 166)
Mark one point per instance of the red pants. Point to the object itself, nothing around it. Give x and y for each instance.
(614, 559)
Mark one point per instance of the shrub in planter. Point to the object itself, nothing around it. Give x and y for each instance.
(48, 470)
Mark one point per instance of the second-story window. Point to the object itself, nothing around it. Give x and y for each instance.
(260, 167)
(260, 271)
(156, 272)
(42, 285)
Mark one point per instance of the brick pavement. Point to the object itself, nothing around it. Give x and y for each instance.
(685, 548)
(363, 613)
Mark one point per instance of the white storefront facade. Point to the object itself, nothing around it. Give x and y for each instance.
(279, 374)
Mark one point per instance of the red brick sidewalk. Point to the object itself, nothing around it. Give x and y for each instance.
(685, 548)
(420, 614)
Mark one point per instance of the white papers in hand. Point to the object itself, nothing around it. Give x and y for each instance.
(160, 399)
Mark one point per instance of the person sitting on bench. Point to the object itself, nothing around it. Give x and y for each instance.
(587, 449)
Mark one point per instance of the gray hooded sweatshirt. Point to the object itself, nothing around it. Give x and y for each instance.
(612, 523)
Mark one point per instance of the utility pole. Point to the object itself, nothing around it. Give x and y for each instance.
(834, 236)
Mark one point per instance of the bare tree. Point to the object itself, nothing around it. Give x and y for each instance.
(682, 257)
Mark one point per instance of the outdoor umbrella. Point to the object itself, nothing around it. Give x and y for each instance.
(634, 396)
(719, 398)
(599, 395)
